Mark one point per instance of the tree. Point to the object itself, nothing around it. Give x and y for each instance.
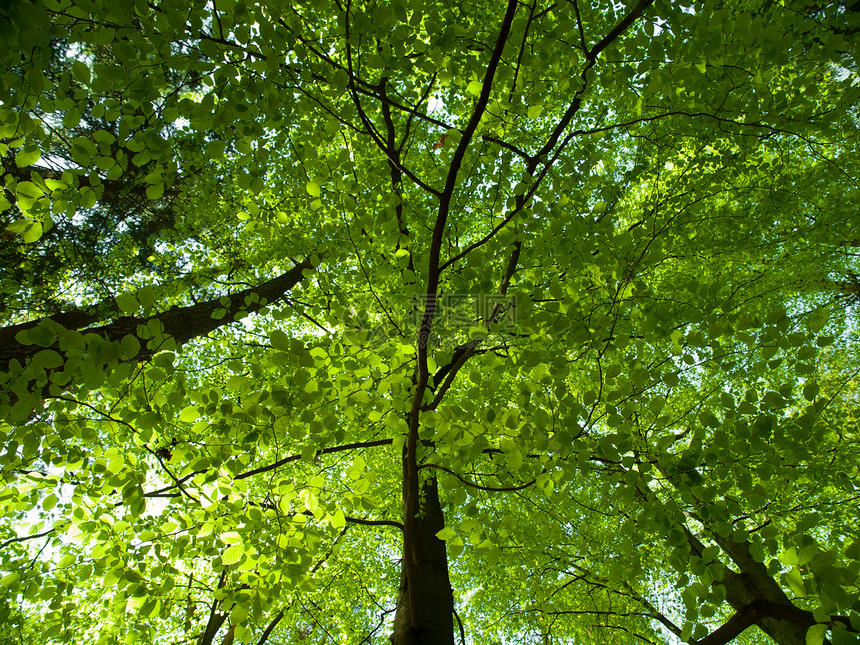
(544, 331)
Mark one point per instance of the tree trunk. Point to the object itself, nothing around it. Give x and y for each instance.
(432, 596)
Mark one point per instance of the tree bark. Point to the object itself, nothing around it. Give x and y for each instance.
(216, 618)
(180, 323)
(755, 585)
(748, 590)
(431, 588)
(746, 616)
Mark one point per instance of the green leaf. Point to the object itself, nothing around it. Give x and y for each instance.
(116, 465)
(155, 191)
(81, 72)
(88, 198)
(313, 189)
(109, 72)
(21, 411)
(795, 582)
(616, 572)
(9, 579)
(841, 636)
(27, 156)
(40, 335)
(146, 297)
(280, 340)
(337, 520)
(127, 304)
(239, 614)
(130, 346)
(446, 533)
(815, 635)
(67, 560)
(33, 232)
(535, 111)
(230, 537)
(47, 359)
(189, 414)
(232, 554)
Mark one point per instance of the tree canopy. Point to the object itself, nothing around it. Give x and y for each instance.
(477, 322)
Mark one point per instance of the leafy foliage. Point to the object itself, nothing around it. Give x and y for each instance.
(526, 322)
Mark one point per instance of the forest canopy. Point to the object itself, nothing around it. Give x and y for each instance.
(370, 321)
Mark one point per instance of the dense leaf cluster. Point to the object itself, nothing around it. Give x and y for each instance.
(481, 321)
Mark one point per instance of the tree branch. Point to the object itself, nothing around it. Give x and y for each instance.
(216, 619)
(756, 610)
(492, 489)
(324, 451)
(179, 323)
(23, 538)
